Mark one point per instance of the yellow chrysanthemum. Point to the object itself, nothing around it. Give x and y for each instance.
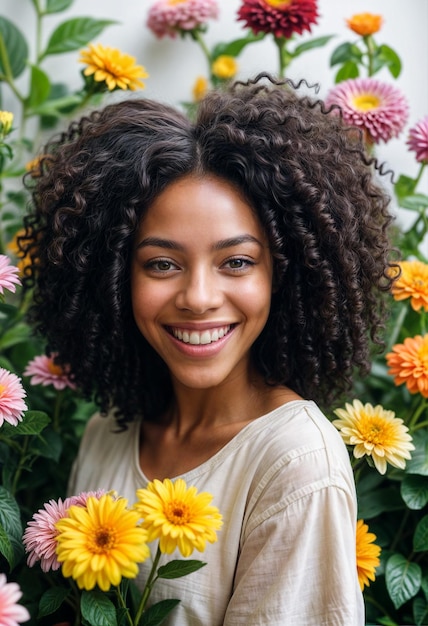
(412, 283)
(178, 516)
(365, 23)
(408, 364)
(200, 88)
(110, 65)
(224, 67)
(6, 121)
(367, 554)
(100, 543)
(375, 432)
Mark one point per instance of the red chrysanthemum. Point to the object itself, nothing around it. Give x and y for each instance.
(418, 140)
(379, 109)
(169, 17)
(282, 18)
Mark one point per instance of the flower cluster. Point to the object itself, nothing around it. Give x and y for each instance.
(98, 540)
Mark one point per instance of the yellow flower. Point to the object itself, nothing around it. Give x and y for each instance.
(365, 23)
(110, 65)
(6, 121)
(24, 260)
(375, 432)
(224, 67)
(180, 517)
(200, 88)
(100, 543)
(367, 554)
(412, 283)
(408, 364)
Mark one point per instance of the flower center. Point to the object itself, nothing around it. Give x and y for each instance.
(177, 513)
(103, 540)
(55, 370)
(366, 102)
(278, 4)
(174, 2)
(2, 388)
(375, 430)
(422, 355)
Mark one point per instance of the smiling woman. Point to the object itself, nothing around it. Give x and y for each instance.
(208, 282)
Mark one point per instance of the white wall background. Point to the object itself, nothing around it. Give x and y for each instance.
(174, 64)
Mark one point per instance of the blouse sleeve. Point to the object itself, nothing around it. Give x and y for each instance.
(297, 564)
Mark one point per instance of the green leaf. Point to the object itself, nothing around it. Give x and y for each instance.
(6, 548)
(317, 42)
(414, 491)
(57, 6)
(418, 464)
(51, 600)
(391, 59)
(404, 186)
(49, 445)
(415, 202)
(32, 424)
(74, 34)
(234, 48)
(348, 70)
(10, 528)
(420, 611)
(39, 88)
(156, 614)
(379, 501)
(344, 53)
(15, 48)
(19, 333)
(97, 609)
(403, 579)
(178, 568)
(420, 537)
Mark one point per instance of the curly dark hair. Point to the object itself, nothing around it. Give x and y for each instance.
(308, 177)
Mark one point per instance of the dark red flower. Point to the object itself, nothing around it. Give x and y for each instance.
(282, 18)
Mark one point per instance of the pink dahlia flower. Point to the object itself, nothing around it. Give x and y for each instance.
(379, 109)
(8, 274)
(282, 18)
(418, 140)
(169, 17)
(44, 371)
(12, 395)
(11, 613)
(39, 538)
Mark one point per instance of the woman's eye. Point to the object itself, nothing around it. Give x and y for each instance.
(160, 265)
(238, 264)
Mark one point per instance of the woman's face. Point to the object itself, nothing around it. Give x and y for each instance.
(201, 280)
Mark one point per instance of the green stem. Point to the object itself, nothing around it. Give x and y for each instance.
(397, 327)
(284, 57)
(371, 48)
(422, 406)
(148, 587)
(419, 176)
(397, 535)
(196, 36)
(58, 401)
(20, 467)
(123, 605)
(378, 606)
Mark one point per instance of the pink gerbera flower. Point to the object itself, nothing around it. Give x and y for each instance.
(169, 17)
(8, 274)
(379, 109)
(282, 18)
(12, 393)
(44, 371)
(40, 535)
(11, 613)
(418, 140)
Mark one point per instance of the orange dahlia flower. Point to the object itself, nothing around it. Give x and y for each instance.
(365, 23)
(412, 283)
(408, 364)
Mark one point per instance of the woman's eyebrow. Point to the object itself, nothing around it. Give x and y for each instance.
(158, 242)
(170, 244)
(236, 241)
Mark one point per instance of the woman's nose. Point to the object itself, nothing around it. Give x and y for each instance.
(200, 291)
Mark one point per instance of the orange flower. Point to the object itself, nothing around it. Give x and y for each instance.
(367, 554)
(413, 284)
(409, 364)
(365, 24)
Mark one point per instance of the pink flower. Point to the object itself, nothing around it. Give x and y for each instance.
(169, 17)
(418, 140)
(8, 275)
(44, 371)
(12, 393)
(379, 109)
(281, 18)
(11, 613)
(40, 535)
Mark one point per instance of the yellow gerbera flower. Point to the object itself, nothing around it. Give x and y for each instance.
(110, 65)
(412, 283)
(365, 23)
(100, 543)
(375, 432)
(224, 67)
(178, 516)
(367, 554)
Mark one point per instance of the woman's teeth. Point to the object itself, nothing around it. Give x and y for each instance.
(200, 337)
